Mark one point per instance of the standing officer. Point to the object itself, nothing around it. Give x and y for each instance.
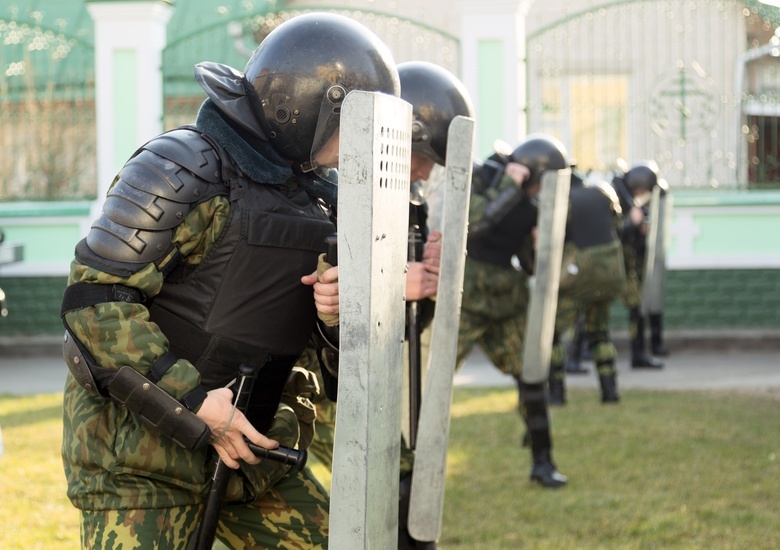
(495, 293)
(634, 189)
(592, 276)
(203, 259)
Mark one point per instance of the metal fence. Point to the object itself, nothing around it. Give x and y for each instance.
(232, 43)
(47, 111)
(691, 84)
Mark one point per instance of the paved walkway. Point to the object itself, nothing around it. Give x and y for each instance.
(685, 369)
(741, 361)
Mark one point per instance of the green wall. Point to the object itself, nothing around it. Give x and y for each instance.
(695, 300)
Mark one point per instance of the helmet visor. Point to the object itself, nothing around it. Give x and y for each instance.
(324, 156)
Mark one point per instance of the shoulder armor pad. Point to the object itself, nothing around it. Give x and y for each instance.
(153, 193)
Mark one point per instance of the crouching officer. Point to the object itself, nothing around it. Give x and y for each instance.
(437, 98)
(203, 260)
(502, 216)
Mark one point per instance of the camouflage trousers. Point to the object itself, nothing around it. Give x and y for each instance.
(493, 315)
(293, 514)
(632, 295)
(140, 503)
(589, 290)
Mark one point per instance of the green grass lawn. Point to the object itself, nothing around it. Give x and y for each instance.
(659, 470)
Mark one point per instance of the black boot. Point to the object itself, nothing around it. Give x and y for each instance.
(534, 410)
(640, 359)
(545, 473)
(405, 540)
(577, 350)
(609, 393)
(656, 336)
(556, 386)
(556, 392)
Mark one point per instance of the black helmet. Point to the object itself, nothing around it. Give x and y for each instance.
(303, 70)
(437, 97)
(642, 176)
(540, 152)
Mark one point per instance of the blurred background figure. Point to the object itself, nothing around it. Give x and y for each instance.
(592, 276)
(502, 217)
(634, 188)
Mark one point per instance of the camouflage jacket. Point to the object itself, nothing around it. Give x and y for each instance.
(112, 459)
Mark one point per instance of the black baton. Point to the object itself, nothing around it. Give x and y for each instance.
(414, 254)
(203, 539)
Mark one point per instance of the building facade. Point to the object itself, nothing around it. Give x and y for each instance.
(84, 82)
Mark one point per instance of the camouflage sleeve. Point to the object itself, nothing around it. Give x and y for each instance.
(482, 197)
(120, 333)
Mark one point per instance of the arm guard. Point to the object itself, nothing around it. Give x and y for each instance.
(152, 194)
(140, 396)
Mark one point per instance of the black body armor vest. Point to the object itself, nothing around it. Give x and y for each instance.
(245, 303)
(503, 240)
(591, 217)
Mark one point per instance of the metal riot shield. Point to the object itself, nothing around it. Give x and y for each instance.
(652, 278)
(551, 230)
(373, 208)
(427, 494)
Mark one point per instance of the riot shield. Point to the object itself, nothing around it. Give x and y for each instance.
(655, 257)
(427, 492)
(373, 208)
(667, 207)
(551, 230)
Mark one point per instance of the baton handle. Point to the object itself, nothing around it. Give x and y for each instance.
(207, 530)
(285, 455)
(414, 254)
(332, 253)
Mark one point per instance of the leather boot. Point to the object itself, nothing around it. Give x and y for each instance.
(556, 386)
(556, 392)
(578, 350)
(609, 393)
(405, 540)
(640, 359)
(534, 409)
(545, 473)
(656, 336)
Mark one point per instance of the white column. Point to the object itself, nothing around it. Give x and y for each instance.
(129, 41)
(484, 22)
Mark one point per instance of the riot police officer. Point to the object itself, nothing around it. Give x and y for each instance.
(437, 97)
(634, 189)
(502, 216)
(203, 259)
(592, 276)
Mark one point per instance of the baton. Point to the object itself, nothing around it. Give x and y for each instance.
(332, 254)
(203, 539)
(414, 254)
